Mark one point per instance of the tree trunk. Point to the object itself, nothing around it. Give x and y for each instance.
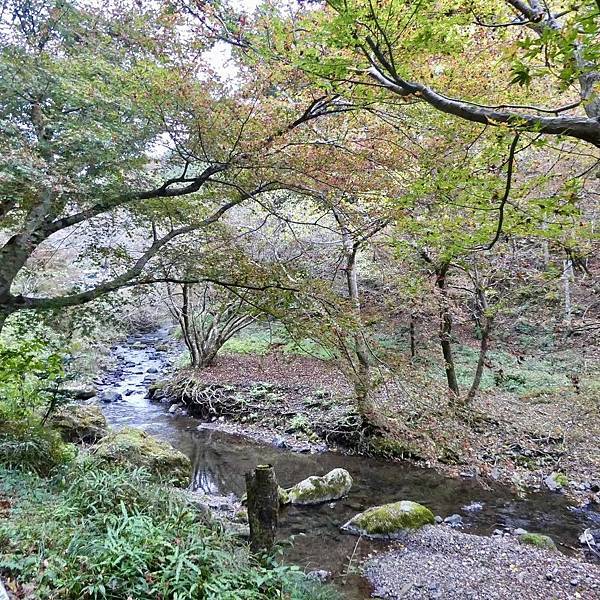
(567, 280)
(413, 342)
(263, 507)
(4, 314)
(483, 348)
(446, 330)
(363, 384)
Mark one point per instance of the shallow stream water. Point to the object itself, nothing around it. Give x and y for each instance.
(220, 461)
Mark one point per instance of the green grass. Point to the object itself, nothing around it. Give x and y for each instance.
(259, 341)
(113, 533)
(530, 376)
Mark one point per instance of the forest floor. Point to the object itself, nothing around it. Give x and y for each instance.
(304, 404)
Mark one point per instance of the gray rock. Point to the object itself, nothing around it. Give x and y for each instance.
(590, 537)
(454, 520)
(108, 397)
(554, 482)
(279, 442)
(79, 392)
(473, 507)
(3, 592)
(80, 422)
(319, 575)
(315, 490)
(152, 370)
(519, 531)
(438, 520)
(390, 520)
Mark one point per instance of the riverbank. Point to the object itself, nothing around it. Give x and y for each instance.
(537, 443)
(220, 461)
(103, 531)
(440, 562)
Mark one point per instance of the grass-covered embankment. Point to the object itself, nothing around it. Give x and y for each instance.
(110, 532)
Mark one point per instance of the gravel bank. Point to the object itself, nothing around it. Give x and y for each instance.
(439, 562)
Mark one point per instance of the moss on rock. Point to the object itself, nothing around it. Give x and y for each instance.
(80, 422)
(390, 519)
(539, 540)
(315, 490)
(137, 448)
(393, 448)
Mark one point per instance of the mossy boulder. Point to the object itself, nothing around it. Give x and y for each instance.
(539, 540)
(315, 490)
(137, 448)
(80, 423)
(390, 520)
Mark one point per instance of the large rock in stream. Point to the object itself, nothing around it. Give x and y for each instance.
(137, 448)
(315, 490)
(80, 423)
(390, 520)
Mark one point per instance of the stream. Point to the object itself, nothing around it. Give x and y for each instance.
(220, 461)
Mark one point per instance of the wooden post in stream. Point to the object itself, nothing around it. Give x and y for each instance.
(263, 507)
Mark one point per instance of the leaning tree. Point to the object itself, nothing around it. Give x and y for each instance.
(487, 62)
(111, 121)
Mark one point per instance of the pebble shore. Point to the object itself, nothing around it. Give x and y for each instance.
(438, 562)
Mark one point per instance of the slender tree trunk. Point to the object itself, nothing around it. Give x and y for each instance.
(4, 314)
(446, 330)
(362, 385)
(411, 333)
(263, 507)
(567, 281)
(483, 349)
(186, 326)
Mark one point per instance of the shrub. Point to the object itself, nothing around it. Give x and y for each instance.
(29, 375)
(25, 443)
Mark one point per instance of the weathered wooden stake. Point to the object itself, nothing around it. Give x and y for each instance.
(263, 507)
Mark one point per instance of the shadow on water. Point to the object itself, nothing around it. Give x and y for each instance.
(220, 461)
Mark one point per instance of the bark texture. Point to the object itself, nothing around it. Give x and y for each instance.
(263, 507)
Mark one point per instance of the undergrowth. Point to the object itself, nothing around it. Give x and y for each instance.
(112, 533)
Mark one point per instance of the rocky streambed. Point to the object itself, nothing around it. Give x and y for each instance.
(220, 460)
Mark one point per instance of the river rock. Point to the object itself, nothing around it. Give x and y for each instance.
(320, 575)
(555, 482)
(390, 520)
(539, 540)
(78, 392)
(108, 397)
(152, 370)
(454, 520)
(80, 422)
(137, 448)
(315, 490)
(591, 538)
